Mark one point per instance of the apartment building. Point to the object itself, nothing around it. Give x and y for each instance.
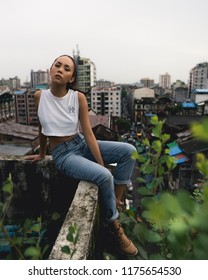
(25, 107)
(7, 109)
(39, 78)
(147, 82)
(165, 81)
(86, 75)
(106, 101)
(11, 83)
(198, 77)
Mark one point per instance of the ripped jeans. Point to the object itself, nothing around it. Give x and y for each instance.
(74, 159)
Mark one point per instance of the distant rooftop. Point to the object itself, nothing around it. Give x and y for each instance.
(13, 150)
(19, 130)
(20, 91)
(201, 91)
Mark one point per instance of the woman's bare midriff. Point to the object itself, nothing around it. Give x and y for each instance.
(55, 140)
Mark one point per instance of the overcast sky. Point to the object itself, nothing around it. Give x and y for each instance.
(126, 39)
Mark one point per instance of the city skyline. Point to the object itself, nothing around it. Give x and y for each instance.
(126, 40)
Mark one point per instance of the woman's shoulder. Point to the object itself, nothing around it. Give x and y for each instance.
(38, 93)
(81, 95)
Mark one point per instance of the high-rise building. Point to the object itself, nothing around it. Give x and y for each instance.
(198, 77)
(147, 82)
(39, 77)
(86, 74)
(165, 81)
(106, 101)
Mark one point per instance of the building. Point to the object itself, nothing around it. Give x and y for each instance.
(144, 102)
(198, 77)
(17, 139)
(180, 91)
(11, 83)
(106, 100)
(7, 109)
(39, 77)
(103, 83)
(25, 107)
(165, 81)
(147, 82)
(86, 75)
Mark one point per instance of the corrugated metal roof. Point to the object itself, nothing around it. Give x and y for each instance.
(194, 146)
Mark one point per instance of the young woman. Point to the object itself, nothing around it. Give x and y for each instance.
(81, 156)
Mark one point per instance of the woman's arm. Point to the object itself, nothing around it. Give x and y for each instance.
(87, 130)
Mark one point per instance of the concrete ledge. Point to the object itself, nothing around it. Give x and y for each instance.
(38, 189)
(82, 212)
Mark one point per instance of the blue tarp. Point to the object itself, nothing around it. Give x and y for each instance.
(201, 91)
(188, 105)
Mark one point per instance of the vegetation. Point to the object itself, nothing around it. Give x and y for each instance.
(22, 241)
(173, 225)
(72, 237)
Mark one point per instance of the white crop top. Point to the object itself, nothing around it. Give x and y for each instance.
(59, 116)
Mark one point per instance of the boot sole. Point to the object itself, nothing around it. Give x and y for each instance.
(128, 254)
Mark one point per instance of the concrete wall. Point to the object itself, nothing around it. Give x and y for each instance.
(38, 189)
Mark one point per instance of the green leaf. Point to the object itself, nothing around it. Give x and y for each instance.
(66, 250)
(157, 146)
(36, 227)
(149, 169)
(154, 120)
(146, 142)
(143, 191)
(134, 155)
(70, 237)
(32, 252)
(55, 216)
(152, 236)
(156, 132)
(7, 188)
(200, 130)
(165, 137)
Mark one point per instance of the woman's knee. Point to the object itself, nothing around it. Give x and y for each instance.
(106, 176)
(129, 149)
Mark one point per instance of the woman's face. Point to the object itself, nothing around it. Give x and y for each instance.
(62, 70)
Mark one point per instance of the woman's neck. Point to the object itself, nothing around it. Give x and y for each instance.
(58, 91)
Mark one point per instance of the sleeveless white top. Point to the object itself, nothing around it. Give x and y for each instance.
(59, 116)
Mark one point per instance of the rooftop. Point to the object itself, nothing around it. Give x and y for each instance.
(19, 130)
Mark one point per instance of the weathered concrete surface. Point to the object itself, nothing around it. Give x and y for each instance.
(83, 213)
(38, 189)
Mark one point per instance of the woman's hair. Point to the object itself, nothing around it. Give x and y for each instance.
(69, 85)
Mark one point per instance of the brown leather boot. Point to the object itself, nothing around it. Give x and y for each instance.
(124, 244)
(120, 205)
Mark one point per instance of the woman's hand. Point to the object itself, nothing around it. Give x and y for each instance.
(34, 157)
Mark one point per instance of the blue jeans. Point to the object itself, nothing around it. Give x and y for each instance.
(74, 159)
